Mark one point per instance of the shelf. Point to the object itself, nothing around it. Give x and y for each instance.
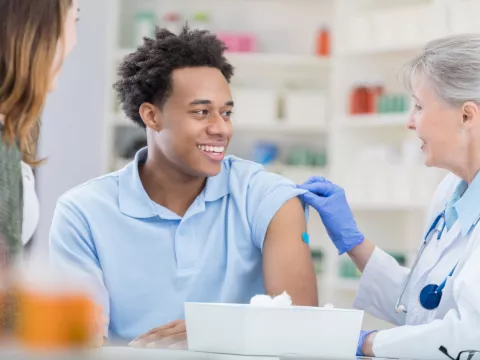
(284, 60)
(357, 206)
(282, 127)
(376, 120)
(279, 127)
(406, 49)
(298, 174)
(264, 59)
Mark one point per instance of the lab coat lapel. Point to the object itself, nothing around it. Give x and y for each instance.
(445, 242)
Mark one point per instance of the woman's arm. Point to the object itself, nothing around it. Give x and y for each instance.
(383, 278)
(361, 253)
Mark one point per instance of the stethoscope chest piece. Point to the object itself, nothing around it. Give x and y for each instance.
(430, 296)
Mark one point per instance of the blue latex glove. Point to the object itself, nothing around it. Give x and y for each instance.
(361, 340)
(331, 204)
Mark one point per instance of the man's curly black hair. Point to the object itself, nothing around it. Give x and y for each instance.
(146, 74)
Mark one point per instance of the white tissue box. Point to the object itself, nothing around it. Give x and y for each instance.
(259, 331)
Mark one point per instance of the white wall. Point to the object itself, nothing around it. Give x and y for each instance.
(73, 121)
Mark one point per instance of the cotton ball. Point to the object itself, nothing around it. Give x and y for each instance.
(261, 300)
(282, 300)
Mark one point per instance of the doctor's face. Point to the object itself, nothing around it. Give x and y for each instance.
(437, 124)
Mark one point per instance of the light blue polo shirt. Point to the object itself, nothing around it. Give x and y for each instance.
(143, 261)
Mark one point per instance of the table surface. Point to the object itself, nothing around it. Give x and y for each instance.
(126, 353)
(110, 353)
(119, 352)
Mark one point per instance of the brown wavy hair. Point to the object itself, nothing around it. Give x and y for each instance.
(30, 31)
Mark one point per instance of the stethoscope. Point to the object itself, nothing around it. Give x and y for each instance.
(431, 294)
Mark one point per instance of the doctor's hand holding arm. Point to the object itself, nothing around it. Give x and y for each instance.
(330, 202)
(445, 83)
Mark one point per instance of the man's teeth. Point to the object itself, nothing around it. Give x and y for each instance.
(215, 149)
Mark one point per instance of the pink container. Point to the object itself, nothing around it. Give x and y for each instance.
(238, 42)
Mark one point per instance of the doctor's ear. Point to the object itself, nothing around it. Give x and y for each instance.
(471, 114)
(150, 115)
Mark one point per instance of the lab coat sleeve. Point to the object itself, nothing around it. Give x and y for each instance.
(459, 330)
(73, 253)
(380, 286)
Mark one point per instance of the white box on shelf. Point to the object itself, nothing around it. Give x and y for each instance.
(409, 26)
(400, 184)
(256, 331)
(305, 107)
(378, 190)
(425, 180)
(382, 23)
(359, 33)
(433, 23)
(255, 106)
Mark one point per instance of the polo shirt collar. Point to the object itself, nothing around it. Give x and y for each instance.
(132, 197)
(468, 206)
(135, 202)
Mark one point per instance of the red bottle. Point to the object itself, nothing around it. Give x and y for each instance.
(323, 42)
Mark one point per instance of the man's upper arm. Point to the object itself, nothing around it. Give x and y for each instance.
(278, 219)
(73, 253)
(287, 261)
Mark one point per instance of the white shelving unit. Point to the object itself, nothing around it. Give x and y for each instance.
(361, 53)
(375, 121)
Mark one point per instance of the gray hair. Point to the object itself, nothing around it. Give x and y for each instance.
(451, 65)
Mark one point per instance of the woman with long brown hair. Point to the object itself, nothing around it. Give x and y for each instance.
(35, 38)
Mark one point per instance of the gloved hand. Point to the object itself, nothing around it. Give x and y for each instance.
(331, 204)
(361, 340)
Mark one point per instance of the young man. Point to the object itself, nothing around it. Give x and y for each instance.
(182, 222)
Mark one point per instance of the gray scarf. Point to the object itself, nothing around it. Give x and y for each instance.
(11, 200)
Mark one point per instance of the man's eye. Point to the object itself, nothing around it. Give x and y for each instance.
(201, 112)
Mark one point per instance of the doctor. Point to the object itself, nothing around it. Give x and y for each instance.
(437, 302)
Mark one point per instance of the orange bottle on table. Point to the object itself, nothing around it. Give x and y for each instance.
(55, 321)
(54, 313)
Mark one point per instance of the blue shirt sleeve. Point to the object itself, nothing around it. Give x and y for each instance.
(267, 193)
(73, 253)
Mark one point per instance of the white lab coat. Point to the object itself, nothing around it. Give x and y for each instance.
(455, 324)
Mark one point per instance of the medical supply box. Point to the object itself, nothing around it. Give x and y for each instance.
(272, 331)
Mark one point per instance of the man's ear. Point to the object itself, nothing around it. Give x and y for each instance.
(151, 116)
